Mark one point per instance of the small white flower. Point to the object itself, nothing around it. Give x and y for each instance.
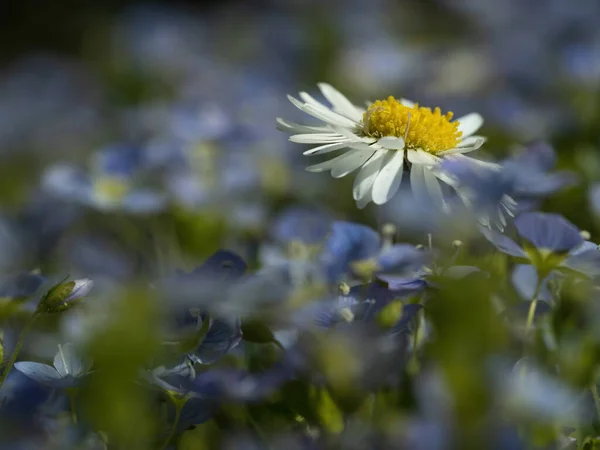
(383, 141)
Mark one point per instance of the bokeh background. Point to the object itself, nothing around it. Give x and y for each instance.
(138, 138)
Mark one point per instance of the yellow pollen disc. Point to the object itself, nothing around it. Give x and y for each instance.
(427, 129)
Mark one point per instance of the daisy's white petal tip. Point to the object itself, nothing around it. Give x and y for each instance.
(392, 142)
(469, 124)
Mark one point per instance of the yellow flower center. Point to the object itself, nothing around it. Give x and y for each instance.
(420, 127)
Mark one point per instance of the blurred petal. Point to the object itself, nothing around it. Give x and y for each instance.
(548, 231)
(503, 243)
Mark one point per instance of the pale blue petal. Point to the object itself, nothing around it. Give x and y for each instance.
(503, 243)
(525, 278)
(548, 231)
(39, 372)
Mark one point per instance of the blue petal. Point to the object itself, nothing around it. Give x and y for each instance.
(539, 155)
(195, 411)
(145, 201)
(222, 264)
(220, 339)
(404, 285)
(119, 160)
(68, 362)
(348, 242)
(39, 372)
(586, 262)
(594, 199)
(402, 257)
(306, 225)
(548, 231)
(525, 278)
(503, 243)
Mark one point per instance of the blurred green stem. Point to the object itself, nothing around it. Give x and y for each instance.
(533, 306)
(15, 353)
(71, 393)
(594, 389)
(178, 408)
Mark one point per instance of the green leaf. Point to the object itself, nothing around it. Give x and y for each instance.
(257, 332)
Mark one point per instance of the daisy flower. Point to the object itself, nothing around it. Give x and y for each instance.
(388, 138)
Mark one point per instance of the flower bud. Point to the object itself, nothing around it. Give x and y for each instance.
(64, 295)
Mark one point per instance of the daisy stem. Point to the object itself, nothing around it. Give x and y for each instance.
(533, 306)
(15, 353)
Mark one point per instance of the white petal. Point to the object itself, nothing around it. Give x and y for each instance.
(352, 159)
(488, 165)
(292, 127)
(417, 183)
(422, 157)
(407, 102)
(326, 148)
(367, 175)
(469, 124)
(351, 163)
(323, 114)
(392, 142)
(316, 138)
(340, 103)
(388, 181)
(365, 200)
(434, 189)
(465, 147)
(349, 134)
(472, 141)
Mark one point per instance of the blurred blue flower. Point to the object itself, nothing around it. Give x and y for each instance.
(549, 242)
(240, 385)
(531, 171)
(116, 180)
(192, 312)
(357, 248)
(68, 369)
(20, 285)
(301, 224)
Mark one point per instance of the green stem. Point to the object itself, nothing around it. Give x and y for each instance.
(532, 306)
(15, 353)
(71, 395)
(178, 408)
(594, 390)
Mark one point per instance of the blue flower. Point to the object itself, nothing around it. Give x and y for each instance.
(361, 304)
(177, 382)
(549, 242)
(68, 370)
(215, 336)
(353, 248)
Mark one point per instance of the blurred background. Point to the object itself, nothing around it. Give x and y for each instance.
(158, 118)
(138, 138)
